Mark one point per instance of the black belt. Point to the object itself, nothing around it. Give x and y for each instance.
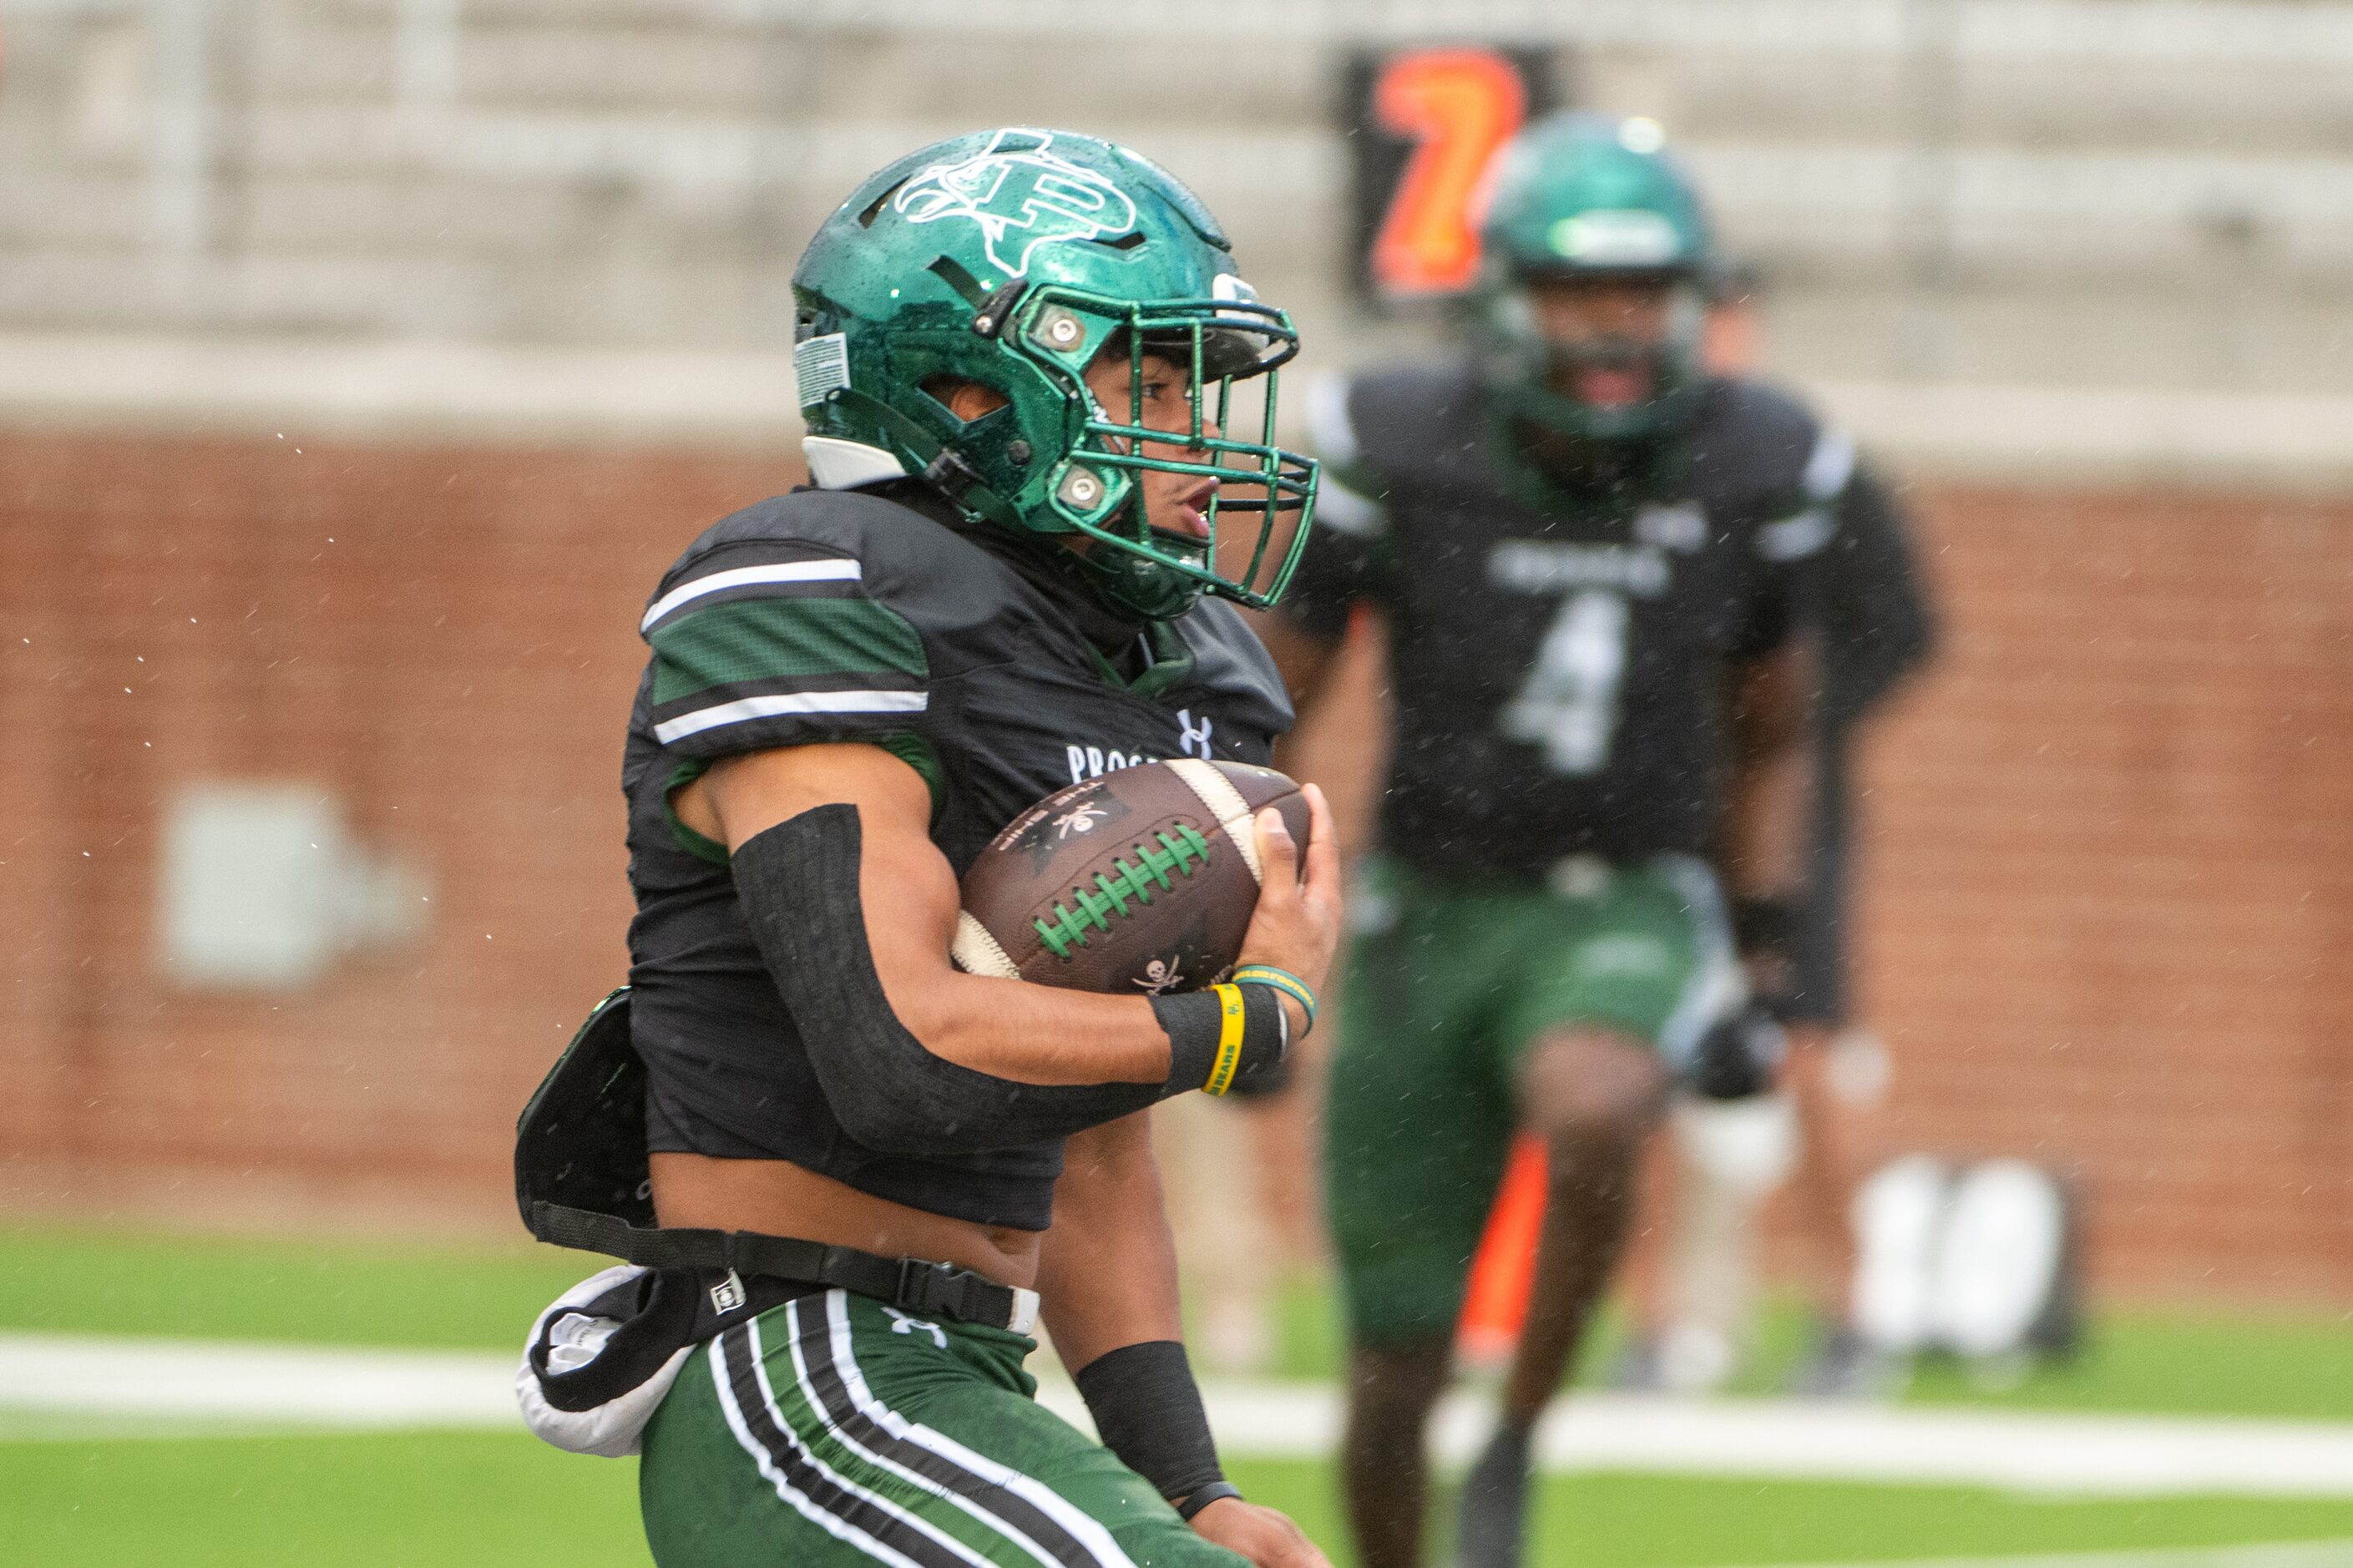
(912, 1284)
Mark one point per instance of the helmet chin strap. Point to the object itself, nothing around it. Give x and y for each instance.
(949, 474)
(942, 469)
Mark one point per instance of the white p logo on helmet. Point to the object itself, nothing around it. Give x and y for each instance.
(1021, 196)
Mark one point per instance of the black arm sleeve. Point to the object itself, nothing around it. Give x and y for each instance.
(1877, 628)
(1875, 618)
(1148, 1410)
(797, 883)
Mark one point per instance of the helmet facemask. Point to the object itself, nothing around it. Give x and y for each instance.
(1534, 377)
(1229, 351)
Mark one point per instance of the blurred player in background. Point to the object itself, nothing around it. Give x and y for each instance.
(1594, 566)
(1731, 1155)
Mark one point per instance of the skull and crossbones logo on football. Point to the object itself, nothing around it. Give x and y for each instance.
(1160, 975)
(1079, 819)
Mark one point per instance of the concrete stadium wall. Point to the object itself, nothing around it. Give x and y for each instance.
(1990, 192)
(2106, 912)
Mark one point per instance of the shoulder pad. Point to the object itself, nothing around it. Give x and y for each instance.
(1400, 423)
(1231, 664)
(1757, 440)
(856, 522)
(915, 564)
(807, 618)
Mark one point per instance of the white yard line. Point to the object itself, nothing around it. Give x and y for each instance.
(302, 1385)
(178, 1382)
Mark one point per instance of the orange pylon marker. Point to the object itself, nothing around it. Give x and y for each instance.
(1496, 1305)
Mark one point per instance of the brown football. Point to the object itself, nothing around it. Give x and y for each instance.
(1140, 881)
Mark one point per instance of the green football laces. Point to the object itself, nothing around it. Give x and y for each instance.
(1066, 927)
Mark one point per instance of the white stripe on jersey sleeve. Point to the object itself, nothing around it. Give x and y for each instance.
(839, 570)
(1797, 536)
(1329, 429)
(744, 708)
(1332, 435)
(1342, 510)
(1829, 467)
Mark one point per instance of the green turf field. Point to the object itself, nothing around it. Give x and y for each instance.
(2287, 1365)
(2282, 1365)
(473, 1500)
(476, 1500)
(326, 1293)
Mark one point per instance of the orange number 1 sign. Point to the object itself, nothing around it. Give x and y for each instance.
(1457, 106)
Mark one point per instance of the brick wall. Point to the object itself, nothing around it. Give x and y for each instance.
(2106, 906)
(2108, 911)
(448, 641)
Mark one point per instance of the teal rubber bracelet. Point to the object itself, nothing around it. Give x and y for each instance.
(1282, 979)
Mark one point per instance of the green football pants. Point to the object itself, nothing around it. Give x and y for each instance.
(834, 1430)
(1447, 986)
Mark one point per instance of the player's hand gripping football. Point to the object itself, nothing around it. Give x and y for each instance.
(1264, 1535)
(1296, 925)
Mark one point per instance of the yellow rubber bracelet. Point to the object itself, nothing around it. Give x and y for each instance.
(1229, 1038)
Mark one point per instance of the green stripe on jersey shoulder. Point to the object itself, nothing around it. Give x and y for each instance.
(910, 749)
(687, 839)
(782, 639)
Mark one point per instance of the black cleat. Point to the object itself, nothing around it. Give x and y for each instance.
(1493, 1530)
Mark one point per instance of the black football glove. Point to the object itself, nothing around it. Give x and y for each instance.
(1739, 1056)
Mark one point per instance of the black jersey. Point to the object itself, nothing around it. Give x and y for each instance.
(1561, 678)
(844, 617)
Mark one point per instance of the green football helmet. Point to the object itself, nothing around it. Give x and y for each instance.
(1012, 259)
(1587, 196)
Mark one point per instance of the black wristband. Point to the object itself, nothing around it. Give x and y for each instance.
(1192, 1020)
(1216, 1491)
(1148, 1410)
(1195, 1022)
(1739, 1057)
(1266, 1041)
(1764, 925)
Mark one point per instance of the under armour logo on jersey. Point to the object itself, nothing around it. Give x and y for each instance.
(1194, 740)
(902, 1324)
(1021, 196)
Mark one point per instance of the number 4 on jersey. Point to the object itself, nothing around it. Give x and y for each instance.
(1569, 704)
